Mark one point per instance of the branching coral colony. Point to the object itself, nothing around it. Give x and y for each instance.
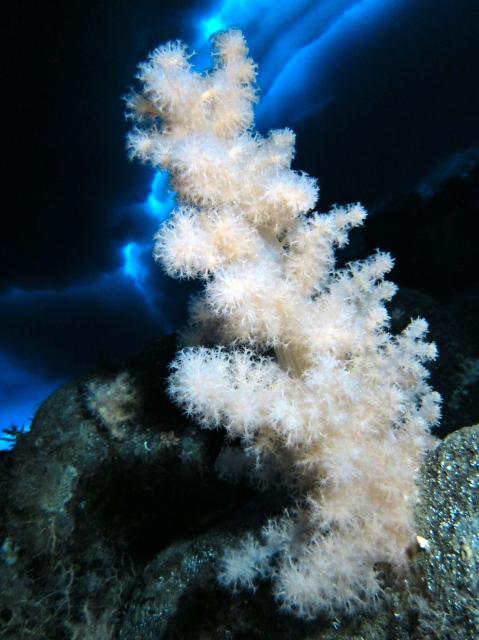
(306, 376)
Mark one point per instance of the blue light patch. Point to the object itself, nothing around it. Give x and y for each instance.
(137, 262)
(161, 199)
(132, 265)
(313, 52)
(21, 393)
(212, 25)
(293, 43)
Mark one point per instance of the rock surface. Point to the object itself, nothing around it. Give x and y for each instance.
(113, 520)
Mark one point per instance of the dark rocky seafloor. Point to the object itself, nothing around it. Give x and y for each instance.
(113, 518)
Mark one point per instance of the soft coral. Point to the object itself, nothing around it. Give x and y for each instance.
(342, 412)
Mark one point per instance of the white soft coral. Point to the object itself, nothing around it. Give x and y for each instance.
(341, 414)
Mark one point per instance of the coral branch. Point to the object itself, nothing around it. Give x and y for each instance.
(342, 413)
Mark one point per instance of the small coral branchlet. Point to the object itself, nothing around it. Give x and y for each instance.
(341, 414)
(114, 403)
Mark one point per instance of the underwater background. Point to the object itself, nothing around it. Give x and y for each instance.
(383, 96)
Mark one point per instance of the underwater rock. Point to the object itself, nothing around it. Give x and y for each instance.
(113, 519)
(448, 519)
(95, 490)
